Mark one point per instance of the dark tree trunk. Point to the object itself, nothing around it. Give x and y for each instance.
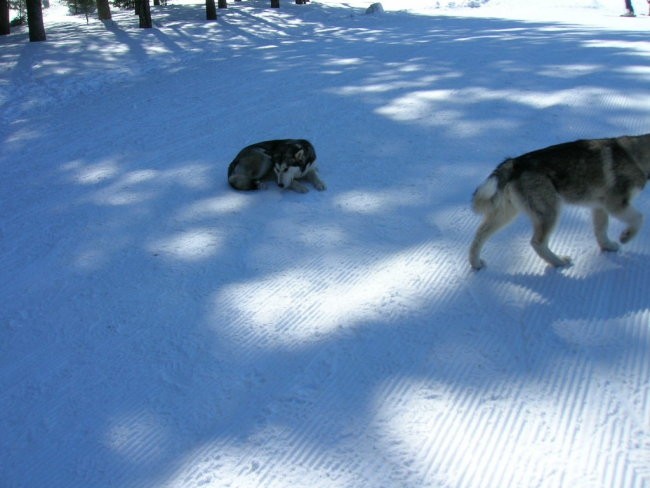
(210, 10)
(103, 10)
(144, 12)
(275, 3)
(35, 21)
(5, 24)
(222, 4)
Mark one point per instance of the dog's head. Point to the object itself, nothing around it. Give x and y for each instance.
(293, 164)
(286, 174)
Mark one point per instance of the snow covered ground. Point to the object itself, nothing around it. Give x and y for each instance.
(159, 329)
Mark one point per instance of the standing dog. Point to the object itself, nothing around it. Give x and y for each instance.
(285, 160)
(603, 174)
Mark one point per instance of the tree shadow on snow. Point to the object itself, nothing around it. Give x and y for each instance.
(288, 327)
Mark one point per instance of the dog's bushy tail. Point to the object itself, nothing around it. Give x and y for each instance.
(489, 194)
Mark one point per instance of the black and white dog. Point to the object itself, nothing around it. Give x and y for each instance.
(284, 160)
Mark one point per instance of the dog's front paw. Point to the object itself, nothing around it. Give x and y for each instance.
(320, 186)
(300, 188)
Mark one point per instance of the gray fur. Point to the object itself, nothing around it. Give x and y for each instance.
(602, 174)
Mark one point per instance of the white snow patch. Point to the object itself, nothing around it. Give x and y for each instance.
(160, 329)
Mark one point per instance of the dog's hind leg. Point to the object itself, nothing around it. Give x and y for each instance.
(600, 220)
(494, 219)
(239, 182)
(244, 183)
(298, 187)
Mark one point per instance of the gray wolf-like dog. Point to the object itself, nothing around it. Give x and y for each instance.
(285, 160)
(602, 174)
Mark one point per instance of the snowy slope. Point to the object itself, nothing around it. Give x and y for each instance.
(161, 330)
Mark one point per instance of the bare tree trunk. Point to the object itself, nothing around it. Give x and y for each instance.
(5, 24)
(103, 10)
(222, 4)
(210, 10)
(275, 3)
(144, 12)
(35, 21)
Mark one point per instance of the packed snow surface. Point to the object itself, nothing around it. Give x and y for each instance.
(159, 329)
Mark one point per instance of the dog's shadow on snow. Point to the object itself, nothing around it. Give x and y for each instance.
(594, 307)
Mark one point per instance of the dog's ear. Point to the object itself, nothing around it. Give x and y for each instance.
(300, 155)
